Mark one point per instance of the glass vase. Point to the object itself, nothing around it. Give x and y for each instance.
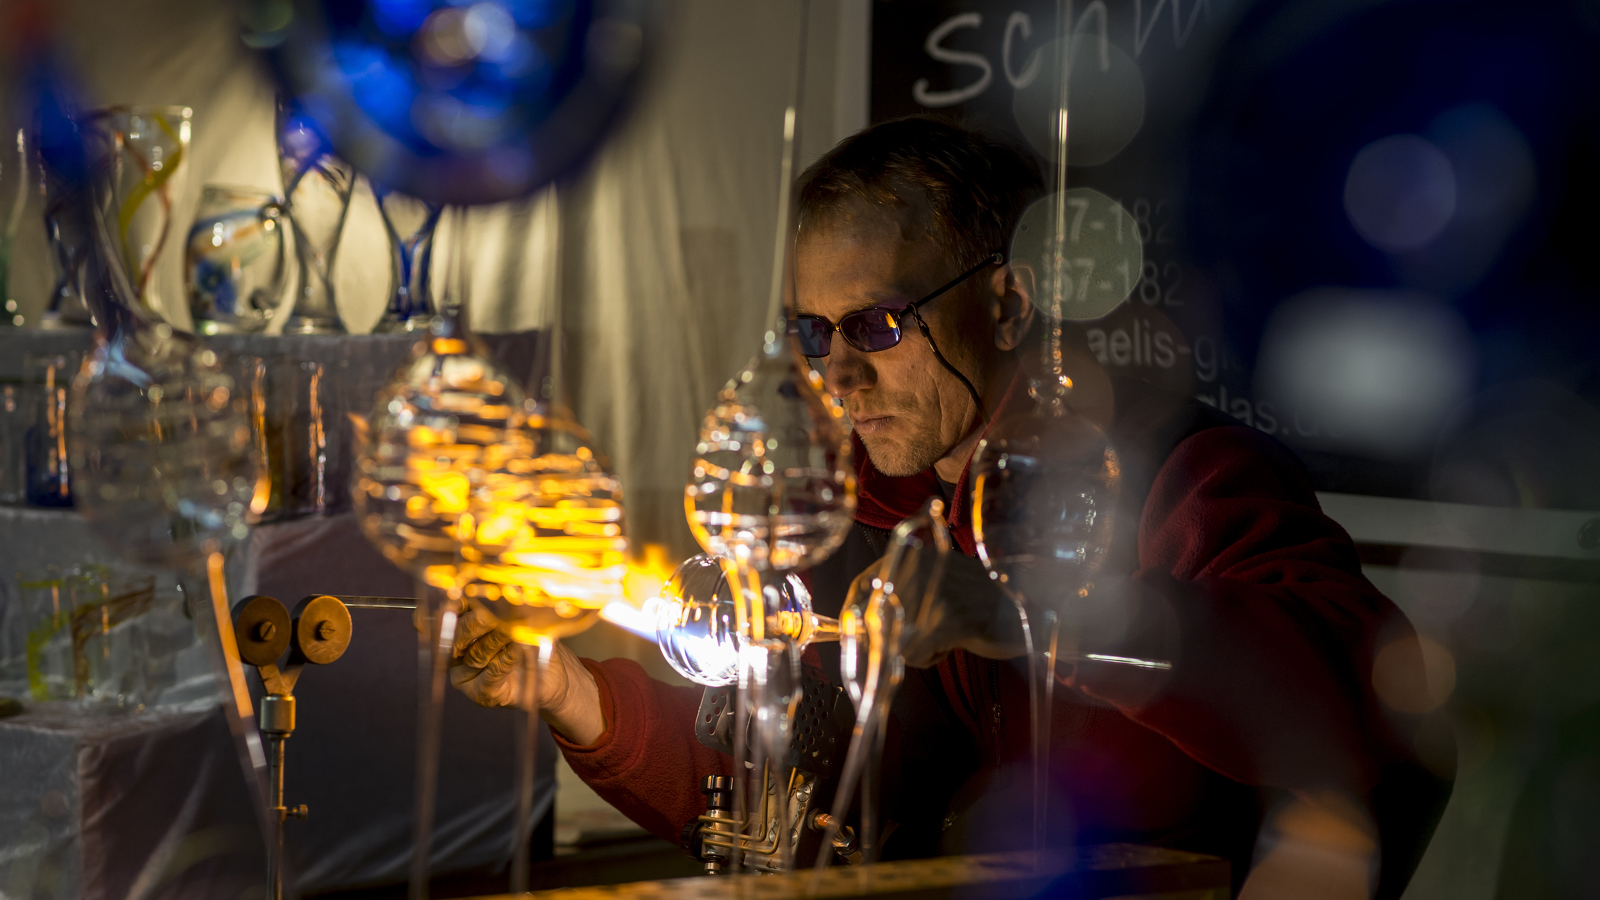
(234, 260)
(316, 190)
(410, 224)
(149, 167)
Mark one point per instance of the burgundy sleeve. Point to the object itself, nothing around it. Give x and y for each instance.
(1269, 623)
(647, 763)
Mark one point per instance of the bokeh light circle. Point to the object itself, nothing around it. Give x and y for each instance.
(460, 102)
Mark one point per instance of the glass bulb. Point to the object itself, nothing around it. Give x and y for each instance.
(772, 485)
(1044, 489)
(696, 623)
(435, 430)
(162, 453)
(543, 534)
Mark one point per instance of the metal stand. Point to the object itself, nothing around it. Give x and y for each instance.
(793, 790)
(318, 633)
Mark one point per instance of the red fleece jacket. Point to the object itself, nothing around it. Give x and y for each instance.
(1270, 624)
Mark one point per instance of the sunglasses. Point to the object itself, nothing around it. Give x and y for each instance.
(875, 329)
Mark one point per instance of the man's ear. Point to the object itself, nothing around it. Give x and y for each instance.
(1013, 308)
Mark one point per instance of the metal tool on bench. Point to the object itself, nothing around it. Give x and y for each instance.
(318, 632)
(807, 773)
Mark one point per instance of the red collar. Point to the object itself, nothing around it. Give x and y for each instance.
(883, 501)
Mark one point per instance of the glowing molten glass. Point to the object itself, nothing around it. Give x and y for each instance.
(434, 431)
(697, 621)
(541, 539)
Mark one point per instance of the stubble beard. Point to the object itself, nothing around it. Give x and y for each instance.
(899, 459)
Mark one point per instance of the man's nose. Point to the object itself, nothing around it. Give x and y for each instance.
(847, 371)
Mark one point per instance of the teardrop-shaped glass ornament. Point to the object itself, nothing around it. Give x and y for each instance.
(448, 417)
(163, 465)
(1045, 479)
(771, 489)
(772, 486)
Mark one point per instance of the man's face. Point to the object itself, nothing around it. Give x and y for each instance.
(908, 409)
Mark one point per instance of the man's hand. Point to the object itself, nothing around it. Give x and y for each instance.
(970, 612)
(484, 667)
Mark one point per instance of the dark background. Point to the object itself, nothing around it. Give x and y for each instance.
(1253, 114)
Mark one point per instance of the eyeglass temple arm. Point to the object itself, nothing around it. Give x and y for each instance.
(994, 259)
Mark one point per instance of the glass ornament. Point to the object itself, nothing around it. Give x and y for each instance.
(463, 103)
(1044, 491)
(435, 429)
(499, 499)
(164, 465)
(1045, 479)
(771, 489)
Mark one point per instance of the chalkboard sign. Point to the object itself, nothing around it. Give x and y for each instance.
(1358, 221)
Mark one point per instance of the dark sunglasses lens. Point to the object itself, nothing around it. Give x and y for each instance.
(871, 330)
(814, 335)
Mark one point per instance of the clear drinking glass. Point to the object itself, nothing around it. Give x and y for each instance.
(316, 190)
(234, 260)
(150, 146)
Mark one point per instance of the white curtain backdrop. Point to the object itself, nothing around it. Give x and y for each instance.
(660, 254)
